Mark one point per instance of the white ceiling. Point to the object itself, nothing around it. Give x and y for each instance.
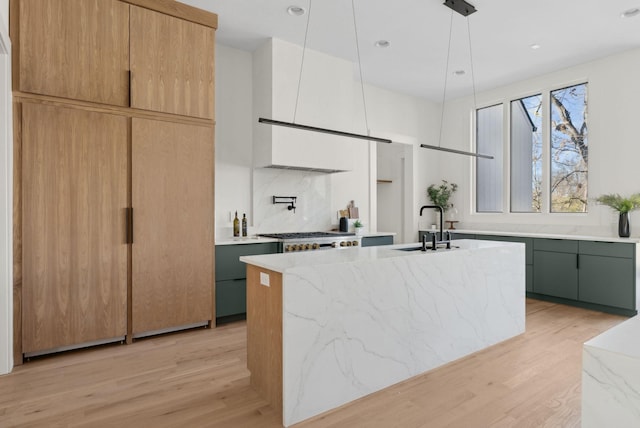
(569, 32)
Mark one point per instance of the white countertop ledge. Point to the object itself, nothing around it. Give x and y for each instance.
(285, 261)
(548, 235)
(246, 240)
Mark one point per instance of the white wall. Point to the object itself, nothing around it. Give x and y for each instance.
(613, 140)
(4, 13)
(390, 114)
(6, 198)
(234, 136)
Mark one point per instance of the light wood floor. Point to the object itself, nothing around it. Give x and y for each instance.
(199, 379)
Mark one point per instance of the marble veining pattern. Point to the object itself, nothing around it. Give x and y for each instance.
(611, 378)
(312, 189)
(350, 329)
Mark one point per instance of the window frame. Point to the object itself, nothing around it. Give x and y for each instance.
(545, 211)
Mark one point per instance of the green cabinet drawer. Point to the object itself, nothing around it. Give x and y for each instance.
(555, 274)
(455, 235)
(228, 265)
(528, 242)
(607, 281)
(610, 249)
(231, 297)
(557, 245)
(374, 241)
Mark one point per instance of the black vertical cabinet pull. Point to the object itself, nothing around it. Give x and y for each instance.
(577, 261)
(129, 220)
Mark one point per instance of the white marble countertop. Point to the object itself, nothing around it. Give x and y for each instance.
(549, 235)
(246, 240)
(283, 261)
(621, 339)
(357, 320)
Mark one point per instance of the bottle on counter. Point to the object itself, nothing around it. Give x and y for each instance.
(236, 225)
(244, 224)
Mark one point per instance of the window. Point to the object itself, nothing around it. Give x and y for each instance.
(489, 131)
(547, 171)
(526, 154)
(569, 149)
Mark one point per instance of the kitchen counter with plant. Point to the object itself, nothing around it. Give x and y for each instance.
(326, 328)
(546, 235)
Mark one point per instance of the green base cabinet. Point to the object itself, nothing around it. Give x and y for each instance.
(231, 297)
(607, 274)
(555, 274)
(374, 241)
(231, 276)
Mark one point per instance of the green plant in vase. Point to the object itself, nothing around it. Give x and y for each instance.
(440, 195)
(624, 206)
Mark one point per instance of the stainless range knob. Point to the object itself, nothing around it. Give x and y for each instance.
(343, 243)
(315, 246)
(354, 243)
(334, 245)
(288, 248)
(307, 246)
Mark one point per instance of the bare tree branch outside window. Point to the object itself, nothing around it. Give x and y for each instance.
(569, 149)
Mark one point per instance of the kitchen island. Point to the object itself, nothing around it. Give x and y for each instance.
(328, 327)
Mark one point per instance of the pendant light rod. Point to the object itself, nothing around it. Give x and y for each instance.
(465, 9)
(322, 130)
(459, 152)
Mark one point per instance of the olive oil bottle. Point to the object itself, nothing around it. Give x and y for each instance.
(244, 224)
(236, 225)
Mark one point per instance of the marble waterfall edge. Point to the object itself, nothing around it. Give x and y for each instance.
(350, 329)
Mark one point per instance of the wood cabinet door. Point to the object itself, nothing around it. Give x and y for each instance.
(172, 64)
(173, 246)
(74, 252)
(75, 49)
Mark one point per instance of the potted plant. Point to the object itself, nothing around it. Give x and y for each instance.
(440, 195)
(624, 206)
(359, 227)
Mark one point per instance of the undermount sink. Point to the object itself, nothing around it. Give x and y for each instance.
(412, 249)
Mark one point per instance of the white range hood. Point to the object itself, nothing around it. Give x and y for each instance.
(327, 99)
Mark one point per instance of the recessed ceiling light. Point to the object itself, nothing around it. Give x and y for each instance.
(630, 13)
(382, 44)
(459, 73)
(295, 10)
(535, 46)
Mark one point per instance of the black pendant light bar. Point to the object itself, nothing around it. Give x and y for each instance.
(322, 130)
(460, 6)
(459, 152)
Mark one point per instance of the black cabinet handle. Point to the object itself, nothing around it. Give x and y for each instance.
(577, 261)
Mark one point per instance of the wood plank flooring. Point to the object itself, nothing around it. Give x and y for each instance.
(199, 379)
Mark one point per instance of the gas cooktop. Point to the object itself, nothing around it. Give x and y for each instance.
(305, 235)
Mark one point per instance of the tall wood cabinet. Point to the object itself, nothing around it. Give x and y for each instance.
(74, 193)
(114, 143)
(172, 182)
